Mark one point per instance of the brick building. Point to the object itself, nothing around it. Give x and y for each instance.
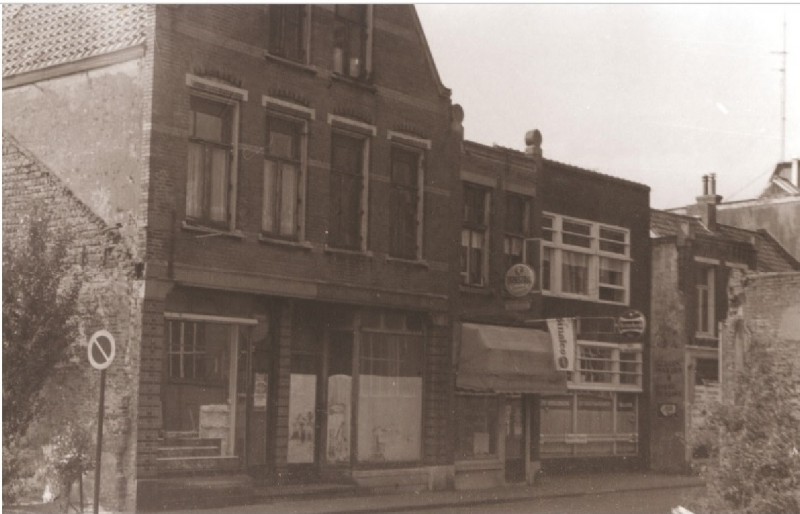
(285, 176)
(693, 258)
(515, 411)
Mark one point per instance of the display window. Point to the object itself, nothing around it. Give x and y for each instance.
(476, 430)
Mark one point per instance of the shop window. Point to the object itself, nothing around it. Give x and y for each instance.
(288, 31)
(351, 40)
(347, 181)
(474, 235)
(583, 259)
(476, 431)
(706, 318)
(283, 173)
(589, 424)
(516, 228)
(390, 391)
(210, 153)
(608, 366)
(406, 202)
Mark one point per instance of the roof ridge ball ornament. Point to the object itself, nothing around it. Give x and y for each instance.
(533, 144)
(457, 119)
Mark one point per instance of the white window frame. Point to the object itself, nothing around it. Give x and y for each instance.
(577, 381)
(487, 210)
(708, 288)
(365, 132)
(594, 254)
(300, 114)
(366, 74)
(419, 146)
(215, 91)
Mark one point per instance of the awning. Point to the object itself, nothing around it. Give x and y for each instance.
(507, 360)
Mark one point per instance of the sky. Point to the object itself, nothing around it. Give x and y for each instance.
(658, 94)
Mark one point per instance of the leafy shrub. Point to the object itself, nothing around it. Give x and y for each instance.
(755, 460)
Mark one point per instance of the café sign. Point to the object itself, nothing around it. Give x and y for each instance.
(520, 279)
(631, 324)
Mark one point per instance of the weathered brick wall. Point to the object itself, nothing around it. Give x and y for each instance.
(110, 299)
(764, 307)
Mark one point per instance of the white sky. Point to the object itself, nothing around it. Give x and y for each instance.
(659, 94)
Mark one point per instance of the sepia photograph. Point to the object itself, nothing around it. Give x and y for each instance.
(372, 258)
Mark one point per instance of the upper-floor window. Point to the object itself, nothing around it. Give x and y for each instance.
(585, 259)
(288, 31)
(474, 235)
(350, 40)
(516, 228)
(406, 203)
(283, 171)
(706, 318)
(347, 182)
(210, 155)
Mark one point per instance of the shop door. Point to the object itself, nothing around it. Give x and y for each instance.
(515, 440)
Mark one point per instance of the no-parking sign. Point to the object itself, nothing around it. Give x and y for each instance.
(102, 349)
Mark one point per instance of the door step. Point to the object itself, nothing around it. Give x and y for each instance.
(197, 465)
(194, 492)
(188, 451)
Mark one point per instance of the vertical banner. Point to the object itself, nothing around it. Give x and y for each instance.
(562, 333)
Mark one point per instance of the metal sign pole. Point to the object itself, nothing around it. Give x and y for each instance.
(98, 454)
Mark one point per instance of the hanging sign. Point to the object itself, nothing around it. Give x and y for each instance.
(631, 324)
(562, 334)
(102, 349)
(520, 279)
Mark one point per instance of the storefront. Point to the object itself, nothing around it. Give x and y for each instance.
(502, 371)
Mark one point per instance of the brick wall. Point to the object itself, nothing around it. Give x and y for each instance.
(110, 299)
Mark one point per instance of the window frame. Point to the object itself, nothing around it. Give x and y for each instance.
(509, 235)
(304, 37)
(554, 247)
(301, 124)
(577, 380)
(412, 144)
(342, 69)
(709, 287)
(482, 227)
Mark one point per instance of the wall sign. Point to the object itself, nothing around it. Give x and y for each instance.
(520, 279)
(562, 334)
(631, 324)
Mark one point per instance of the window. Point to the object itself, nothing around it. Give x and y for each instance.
(608, 366)
(198, 351)
(585, 259)
(706, 319)
(474, 235)
(476, 431)
(211, 150)
(287, 31)
(516, 228)
(390, 388)
(350, 40)
(405, 203)
(282, 182)
(346, 189)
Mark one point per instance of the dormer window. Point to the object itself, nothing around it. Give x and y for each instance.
(288, 31)
(351, 40)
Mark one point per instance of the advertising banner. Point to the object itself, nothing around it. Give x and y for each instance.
(562, 333)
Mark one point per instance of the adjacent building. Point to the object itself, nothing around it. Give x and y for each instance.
(693, 258)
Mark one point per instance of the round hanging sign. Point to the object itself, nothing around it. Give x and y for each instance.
(102, 349)
(520, 279)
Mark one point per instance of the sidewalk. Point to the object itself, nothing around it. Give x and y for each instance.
(547, 487)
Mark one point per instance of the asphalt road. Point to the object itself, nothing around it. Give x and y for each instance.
(660, 501)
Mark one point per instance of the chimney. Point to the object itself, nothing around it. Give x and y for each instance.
(533, 146)
(707, 203)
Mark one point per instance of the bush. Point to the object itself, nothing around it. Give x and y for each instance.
(755, 460)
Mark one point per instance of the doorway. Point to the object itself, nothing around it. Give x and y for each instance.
(515, 440)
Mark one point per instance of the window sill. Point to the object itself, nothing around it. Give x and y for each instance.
(300, 245)
(599, 386)
(206, 232)
(705, 336)
(360, 83)
(410, 262)
(294, 64)
(464, 288)
(582, 298)
(346, 251)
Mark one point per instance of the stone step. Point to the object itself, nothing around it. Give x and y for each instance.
(189, 451)
(191, 441)
(196, 465)
(194, 492)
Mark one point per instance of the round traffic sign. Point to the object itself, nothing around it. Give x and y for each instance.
(102, 349)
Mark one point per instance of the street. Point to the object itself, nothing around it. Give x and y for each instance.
(629, 502)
